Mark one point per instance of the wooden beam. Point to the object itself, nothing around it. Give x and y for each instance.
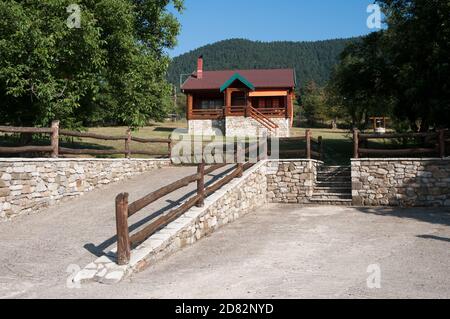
(268, 93)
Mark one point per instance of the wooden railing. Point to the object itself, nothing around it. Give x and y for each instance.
(55, 150)
(124, 210)
(235, 111)
(274, 112)
(212, 114)
(261, 118)
(313, 147)
(432, 144)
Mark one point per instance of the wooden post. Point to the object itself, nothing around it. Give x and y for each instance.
(308, 144)
(355, 143)
(441, 138)
(123, 235)
(190, 106)
(170, 149)
(238, 159)
(55, 139)
(321, 147)
(128, 144)
(201, 184)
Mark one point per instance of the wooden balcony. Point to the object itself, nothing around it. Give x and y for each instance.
(217, 114)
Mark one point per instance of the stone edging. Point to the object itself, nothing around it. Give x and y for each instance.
(45, 159)
(399, 159)
(161, 244)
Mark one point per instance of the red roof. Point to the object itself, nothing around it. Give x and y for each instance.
(213, 80)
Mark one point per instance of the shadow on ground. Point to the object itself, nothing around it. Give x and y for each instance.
(104, 247)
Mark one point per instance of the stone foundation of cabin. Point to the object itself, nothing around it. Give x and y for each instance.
(238, 126)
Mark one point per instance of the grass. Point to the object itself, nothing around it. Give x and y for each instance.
(337, 143)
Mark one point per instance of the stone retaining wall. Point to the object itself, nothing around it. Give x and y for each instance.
(238, 126)
(206, 127)
(291, 181)
(247, 126)
(401, 182)
(30, 184)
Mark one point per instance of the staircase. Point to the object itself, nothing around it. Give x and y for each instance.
(262, 119)
(333, 186)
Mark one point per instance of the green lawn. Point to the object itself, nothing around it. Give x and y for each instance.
(337, 143)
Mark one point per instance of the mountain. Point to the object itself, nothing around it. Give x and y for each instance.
(311, 60)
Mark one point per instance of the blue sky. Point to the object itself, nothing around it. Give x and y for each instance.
(207, 21)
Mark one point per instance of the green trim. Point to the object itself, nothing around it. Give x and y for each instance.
(236, 77)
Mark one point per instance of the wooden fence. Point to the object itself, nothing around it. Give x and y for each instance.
(431, 144)
(124, 210)
(55, 150)
(313, 147)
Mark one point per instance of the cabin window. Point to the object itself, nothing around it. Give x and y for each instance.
(262, 103)
(276, 103)
(211, 104)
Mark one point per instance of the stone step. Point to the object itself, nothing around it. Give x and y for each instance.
(347, 184)
(331, 191)
(333, 179)
(332, 196)
(342, 189)
(334, 169)
(333, 202)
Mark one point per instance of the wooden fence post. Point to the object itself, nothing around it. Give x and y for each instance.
(308, 144)
(441, 138)
(128, 144)
(320, 139)
(240, 165)
(55, 139)
(169, 155)
(201, 184)
(123, 235)
(355, 143)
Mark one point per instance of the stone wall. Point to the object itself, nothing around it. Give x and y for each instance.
(246, 126)
(291, 181)
(401, 182)
(206, 127)
(30, 184)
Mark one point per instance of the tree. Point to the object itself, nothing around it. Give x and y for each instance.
(417, 46)
(403, 69)
(313, 100)
(359, 83)
(114, 64)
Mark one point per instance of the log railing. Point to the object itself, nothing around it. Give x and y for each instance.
(55, 150)
(208, 114)
(261, 118)
(314, 148)
(432, 144)
(124, 210)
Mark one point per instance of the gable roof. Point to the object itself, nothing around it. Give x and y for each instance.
(237, 77)
(215, 80)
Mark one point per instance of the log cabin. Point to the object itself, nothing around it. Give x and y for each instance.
(243, 103)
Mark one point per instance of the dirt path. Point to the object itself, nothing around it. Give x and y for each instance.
(36, 250)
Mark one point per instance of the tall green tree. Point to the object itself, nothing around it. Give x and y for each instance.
(404, 69)
(359, 83)
(417, 47)
(113, 66)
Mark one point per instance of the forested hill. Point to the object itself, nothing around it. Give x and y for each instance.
(311, 60)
